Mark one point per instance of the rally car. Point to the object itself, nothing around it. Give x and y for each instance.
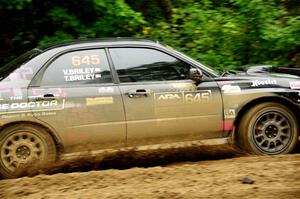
(100, 94)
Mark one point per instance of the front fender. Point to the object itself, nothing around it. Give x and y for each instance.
(237, 103)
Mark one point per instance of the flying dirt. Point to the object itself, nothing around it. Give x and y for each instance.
(190, 172)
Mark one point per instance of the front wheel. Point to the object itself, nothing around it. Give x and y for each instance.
(268, 129)
(24, 144)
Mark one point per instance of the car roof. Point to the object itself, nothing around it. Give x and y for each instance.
(112, 42)
(95, 42)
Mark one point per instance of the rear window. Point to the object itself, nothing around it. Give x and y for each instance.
(78, 68)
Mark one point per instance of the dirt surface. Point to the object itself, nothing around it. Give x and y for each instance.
(210, 172)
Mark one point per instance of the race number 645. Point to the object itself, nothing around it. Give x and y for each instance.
(85, 60)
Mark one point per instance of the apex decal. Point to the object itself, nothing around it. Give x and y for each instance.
(170, 96)
(186, 97)
(257, 83)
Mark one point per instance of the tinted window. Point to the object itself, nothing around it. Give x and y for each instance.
(142, 64)
(78, 67)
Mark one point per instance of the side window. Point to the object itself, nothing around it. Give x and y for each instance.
(78, 67)
(143, 64)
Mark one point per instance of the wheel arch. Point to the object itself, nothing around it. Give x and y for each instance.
(290, 105)
(50, 131)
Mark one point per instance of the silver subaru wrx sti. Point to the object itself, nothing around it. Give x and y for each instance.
(108, 94)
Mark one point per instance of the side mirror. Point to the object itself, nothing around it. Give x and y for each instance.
(196, 75)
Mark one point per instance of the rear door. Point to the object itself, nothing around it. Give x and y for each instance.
(161, 103)
(77, 97)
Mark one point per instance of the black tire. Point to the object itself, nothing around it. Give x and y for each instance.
(268, 129)
(24, 144)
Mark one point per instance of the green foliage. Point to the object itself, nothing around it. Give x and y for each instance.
(109, 19)
(14, 4)
(223, 34)
(37, 22)
(231, 33)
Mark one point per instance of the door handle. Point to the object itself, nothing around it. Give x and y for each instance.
(46, 97)
(139, 93)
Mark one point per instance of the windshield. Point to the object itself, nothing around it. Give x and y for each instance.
(19, 61)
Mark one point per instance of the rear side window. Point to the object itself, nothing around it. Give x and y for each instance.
(143, 64)
(78, 67)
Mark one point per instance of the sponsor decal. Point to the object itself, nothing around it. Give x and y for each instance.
(23, 73)
(185, 86)
(17, 107)
(257, 83)
(229, 114)
(187, 97)
(26, 105)
(99, 101)
(104, 90)
(295, 85)
(34, 114)
(81, 74)
(230, 89)
(13, 84)
(16, 97)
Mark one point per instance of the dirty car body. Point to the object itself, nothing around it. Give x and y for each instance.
(92, 95)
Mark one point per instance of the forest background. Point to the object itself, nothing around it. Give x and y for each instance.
(224, 34)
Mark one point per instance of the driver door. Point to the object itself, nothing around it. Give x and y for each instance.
(161, 103)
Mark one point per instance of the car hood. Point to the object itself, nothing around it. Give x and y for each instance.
(269, 70)
(263, 76)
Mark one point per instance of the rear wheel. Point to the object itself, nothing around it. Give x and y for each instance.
(268, 128)
(22, 145)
